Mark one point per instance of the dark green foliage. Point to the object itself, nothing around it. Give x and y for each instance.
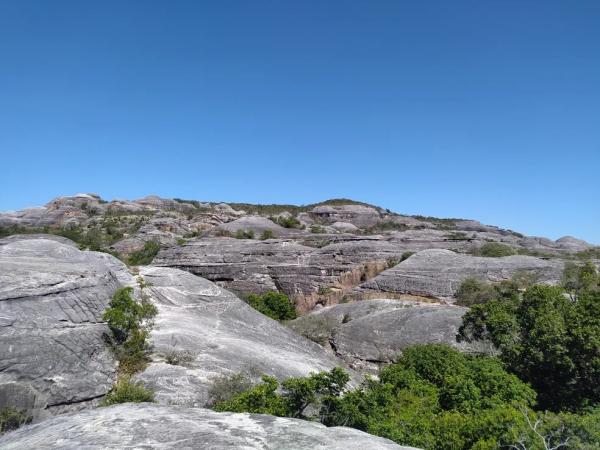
(287, 221)
(391, 262)
(127, 391)
(494, 250)
(144, 256)
(433, 398)
(267, 234)
(547, 339)
(273, 304)
(130, 322)
(406, 255)
(12, 418)
(473, 291)
(244, 234)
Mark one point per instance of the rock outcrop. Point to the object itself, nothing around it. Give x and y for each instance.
(369, 333)
(438, 273)
(223, 336)
(167, 427)
(52, 353)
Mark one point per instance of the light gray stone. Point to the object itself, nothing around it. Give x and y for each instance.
(438, 273)
(223, 334)
(161, 427)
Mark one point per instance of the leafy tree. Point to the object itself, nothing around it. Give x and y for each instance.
(548, 340)
(579, 278)
(273, 304)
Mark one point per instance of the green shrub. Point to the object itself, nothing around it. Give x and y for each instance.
(579, 278)
(130, 322)
(273, 304)
(244, 234)
(495, 250)
(144, 256)
(181, 241)
(12, 418)
(286, 221)
(267, 234)
(178, 357)
(225, 387)
(473, 291)
(406, 255)
(127, 391)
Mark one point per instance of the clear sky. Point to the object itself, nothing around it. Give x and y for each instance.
(478, 109)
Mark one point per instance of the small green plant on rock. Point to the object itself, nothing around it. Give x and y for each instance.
(224, 387)
(267, 234)
(12, 418)
(128, 391)
(178, 357)
(144, 256)
(244, 234)
(494, 250)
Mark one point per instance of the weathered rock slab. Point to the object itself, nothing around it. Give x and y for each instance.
(438, 273)
(222, 333)
(161, 427)
(52, 296)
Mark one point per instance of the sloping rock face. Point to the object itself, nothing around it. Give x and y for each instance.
(52, 296)
(162, 427)
(223, 335)
(369, 333)
(438, 273)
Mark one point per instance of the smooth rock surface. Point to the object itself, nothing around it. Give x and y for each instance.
(161, 427)
(222, 333)
(438, 273)
(371, 332)
(52, 296)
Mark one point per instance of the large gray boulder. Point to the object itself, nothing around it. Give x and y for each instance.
(223, 335)
(52, 353)
(438, 273)
(162, 427)
(369, 333)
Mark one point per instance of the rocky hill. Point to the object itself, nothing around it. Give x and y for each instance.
(196, 263)
(320, 254)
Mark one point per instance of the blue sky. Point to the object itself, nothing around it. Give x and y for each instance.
(478, 109)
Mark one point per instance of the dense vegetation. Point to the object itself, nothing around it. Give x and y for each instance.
(433, 397)
(276, 305)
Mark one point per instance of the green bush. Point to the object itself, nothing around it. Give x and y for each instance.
(178, 357)
(406, 255)
(273, 304)
(144, 256)
(495, 250)
(127, 391)
(267, 234)
(578, 278)
(225, 387)
(12, 418)
(130, 322)
(286, 221)
(473, 291)
(244, 234)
